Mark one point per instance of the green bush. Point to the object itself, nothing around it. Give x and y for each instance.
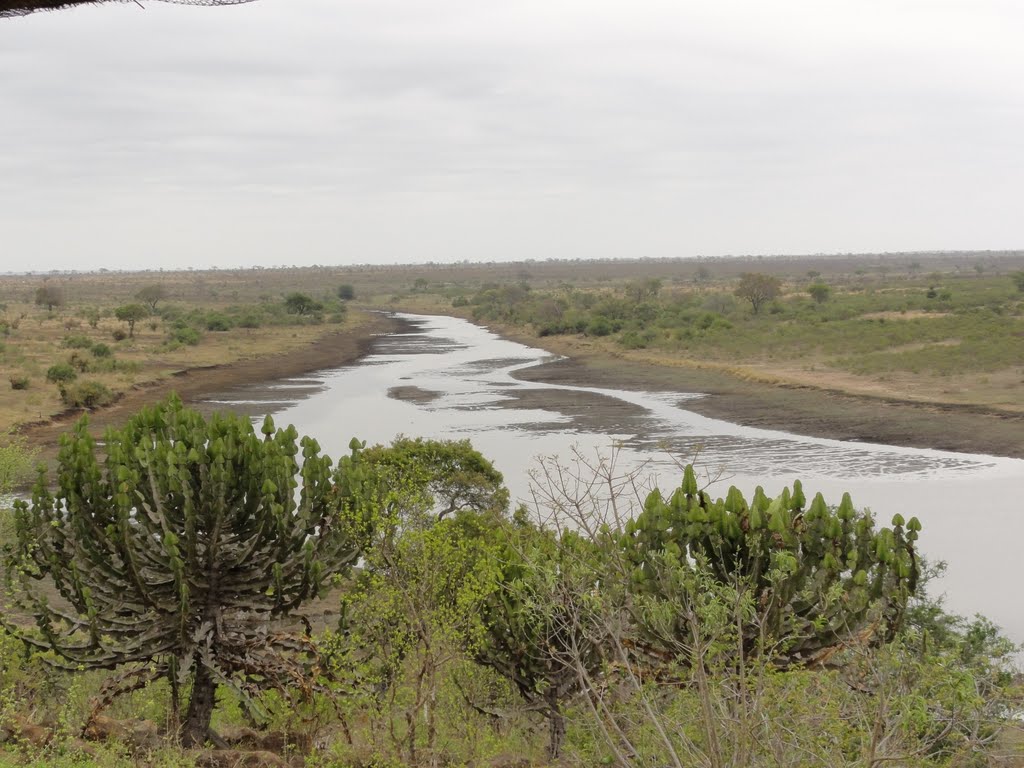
(86, 394)
(101, 350)
(249, 319)
(61, 372)
(77, 341)
(19, 381)
(183, 334)
(217, 322)
(118, 334)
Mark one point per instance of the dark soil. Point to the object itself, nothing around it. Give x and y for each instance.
(803, 410)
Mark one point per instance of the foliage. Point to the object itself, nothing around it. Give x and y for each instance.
(19, 381)
(151, 295)
(538, 619)
(417, 600)
(820, 575)
(101, 350)
(131, 314)
(435, 478)
(77, 341)
(301, 304)
(820, 292)
(179, 548)
(61, 373)
(346, 292)
(16, 461)
(86, 394)
(49, 296)
(758, 289)
(1018, 280)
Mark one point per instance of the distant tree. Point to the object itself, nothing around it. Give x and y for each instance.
(131, 314)
(703, 274)
(50, 296)
(758, 289)
(346, 292)
(175, 550)
(420, 284)
(1018, 280)
(151, 294)
(301, 304)
(819, 292)
(641, 290)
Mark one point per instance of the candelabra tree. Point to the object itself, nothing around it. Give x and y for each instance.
(818, 575)
(177, 549)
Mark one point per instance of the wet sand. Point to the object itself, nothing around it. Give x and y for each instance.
(800, 410)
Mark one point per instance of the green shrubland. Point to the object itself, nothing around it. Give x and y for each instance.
(193, 580)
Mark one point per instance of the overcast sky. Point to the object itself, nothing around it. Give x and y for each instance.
(365, 131)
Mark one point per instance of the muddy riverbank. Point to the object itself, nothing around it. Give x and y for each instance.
(810, 411)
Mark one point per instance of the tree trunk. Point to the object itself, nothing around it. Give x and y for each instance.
(196, 727)
(556, 729)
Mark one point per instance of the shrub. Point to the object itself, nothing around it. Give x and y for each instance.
(60, 373)
(101, 350)
(19, 381)
(86, 394)
(185, 335)
(250, 320)
(217, 322)
(118, 334)
(77, 341)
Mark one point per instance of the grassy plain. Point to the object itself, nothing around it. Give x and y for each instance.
(941, 334)
(925, 368)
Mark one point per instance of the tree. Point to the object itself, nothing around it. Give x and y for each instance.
(820, 574)
(1018, 280)
(178, 550)
(49, 296)
(346, 292)
(151, 294)
(819, 292)
(301, 304)
(539, 619)
(436, 478)
(758, 289)
(416, 604)
(131, 314)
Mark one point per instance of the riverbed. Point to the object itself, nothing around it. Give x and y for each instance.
(443, 377)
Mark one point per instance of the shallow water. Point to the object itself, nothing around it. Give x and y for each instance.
(451, 379)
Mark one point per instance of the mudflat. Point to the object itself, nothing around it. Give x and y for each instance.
(803, 410)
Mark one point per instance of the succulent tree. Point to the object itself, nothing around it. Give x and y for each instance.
(818, 574)
(177, 552)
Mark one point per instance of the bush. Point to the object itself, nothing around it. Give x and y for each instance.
(60, 373)
(185, 335)
(86, 394)
(19, 381)
(101, 350)
(77, 341)
(118, 334)
(249, 320)
(217, 322)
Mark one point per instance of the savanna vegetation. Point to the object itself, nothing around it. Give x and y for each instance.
(191, 591)
(193, 582)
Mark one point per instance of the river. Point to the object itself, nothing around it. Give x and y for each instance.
(447, 378)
